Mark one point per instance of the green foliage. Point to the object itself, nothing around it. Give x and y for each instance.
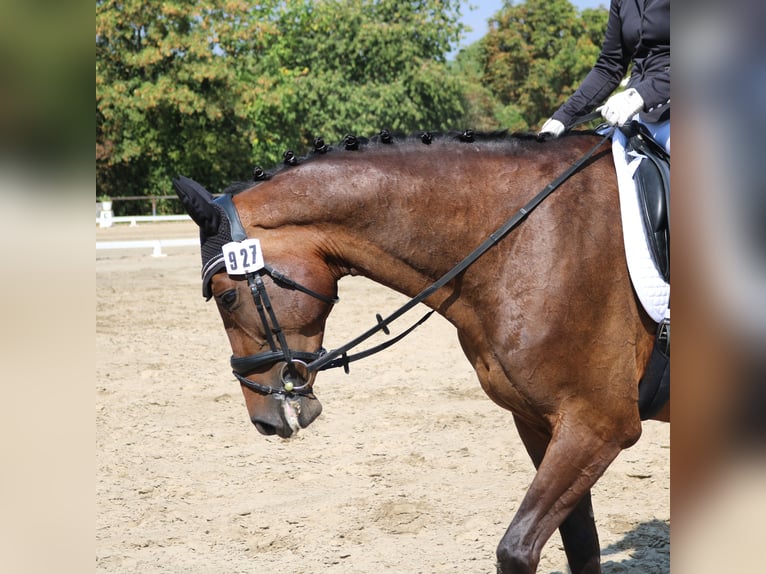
(44, 65)
(536, 54)
(209, 87)
(354, 66)
(478, 101)
(166, 103)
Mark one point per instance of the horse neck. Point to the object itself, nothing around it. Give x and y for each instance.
(405, 218)
(401, 220)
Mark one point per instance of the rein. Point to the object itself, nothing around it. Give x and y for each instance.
(299, 367)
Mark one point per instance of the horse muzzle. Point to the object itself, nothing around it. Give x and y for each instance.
(284, 416)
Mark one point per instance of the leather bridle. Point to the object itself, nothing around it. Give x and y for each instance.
(295, 377)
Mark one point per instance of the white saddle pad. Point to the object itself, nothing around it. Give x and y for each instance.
(651, 288)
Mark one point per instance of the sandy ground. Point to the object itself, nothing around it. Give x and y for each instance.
(410, 468)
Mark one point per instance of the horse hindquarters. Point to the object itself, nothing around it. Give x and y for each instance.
(568, 465)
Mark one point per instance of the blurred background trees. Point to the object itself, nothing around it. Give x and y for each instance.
(210, 88)
(535, 56)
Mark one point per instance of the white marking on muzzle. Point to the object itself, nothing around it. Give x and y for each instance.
(291, 409)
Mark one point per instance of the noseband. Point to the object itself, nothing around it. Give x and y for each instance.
(294, 376)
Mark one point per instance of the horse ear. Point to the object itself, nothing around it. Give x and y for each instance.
(198, 202)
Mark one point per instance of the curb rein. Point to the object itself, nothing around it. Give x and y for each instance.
(300, 366)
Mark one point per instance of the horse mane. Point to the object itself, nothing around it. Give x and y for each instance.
(517, 141)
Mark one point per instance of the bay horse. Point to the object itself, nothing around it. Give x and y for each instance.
(546, 316)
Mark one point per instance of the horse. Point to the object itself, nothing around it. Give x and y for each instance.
(545, 315)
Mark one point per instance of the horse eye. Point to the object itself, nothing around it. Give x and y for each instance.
(228, 298)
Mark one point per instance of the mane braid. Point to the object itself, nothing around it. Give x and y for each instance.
(354, 144)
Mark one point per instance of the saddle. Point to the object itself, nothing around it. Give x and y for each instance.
(652, 179)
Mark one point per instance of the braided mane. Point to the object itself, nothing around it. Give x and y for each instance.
(517, 141)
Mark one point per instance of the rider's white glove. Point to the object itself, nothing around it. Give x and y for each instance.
(553, 127)
(620, 108)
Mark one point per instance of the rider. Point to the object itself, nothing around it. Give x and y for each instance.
(637, 32)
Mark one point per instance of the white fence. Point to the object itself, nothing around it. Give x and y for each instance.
(106, 219)
(155, 245)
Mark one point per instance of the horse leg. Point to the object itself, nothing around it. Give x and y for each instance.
(577, 455)
(580, 537)
(578, 531)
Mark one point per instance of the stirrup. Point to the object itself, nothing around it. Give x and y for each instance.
(663, 336)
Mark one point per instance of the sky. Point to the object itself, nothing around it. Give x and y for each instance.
(485, 9)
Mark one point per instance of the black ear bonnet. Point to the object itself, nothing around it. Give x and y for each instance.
(218, 222)
(229, 229)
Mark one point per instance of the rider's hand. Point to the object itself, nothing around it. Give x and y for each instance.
(620, 108)
(551, 129)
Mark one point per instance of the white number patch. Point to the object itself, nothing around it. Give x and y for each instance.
(243, 257)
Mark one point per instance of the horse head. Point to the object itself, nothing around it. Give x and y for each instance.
(274, 318)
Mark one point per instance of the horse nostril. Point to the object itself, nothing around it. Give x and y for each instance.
(265, 428)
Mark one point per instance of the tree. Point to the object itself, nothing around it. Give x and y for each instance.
(166, 102)
(209, 87)
(536, 54)
(354, 66)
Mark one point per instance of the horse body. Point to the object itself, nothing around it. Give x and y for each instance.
(547, 317)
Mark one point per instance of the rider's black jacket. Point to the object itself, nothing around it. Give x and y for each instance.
(638, 31)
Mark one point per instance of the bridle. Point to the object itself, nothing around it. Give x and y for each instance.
(295, 377)
(299, 367)
(296, 374)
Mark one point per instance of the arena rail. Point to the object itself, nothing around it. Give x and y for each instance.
(155, 245)
(104, 220)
